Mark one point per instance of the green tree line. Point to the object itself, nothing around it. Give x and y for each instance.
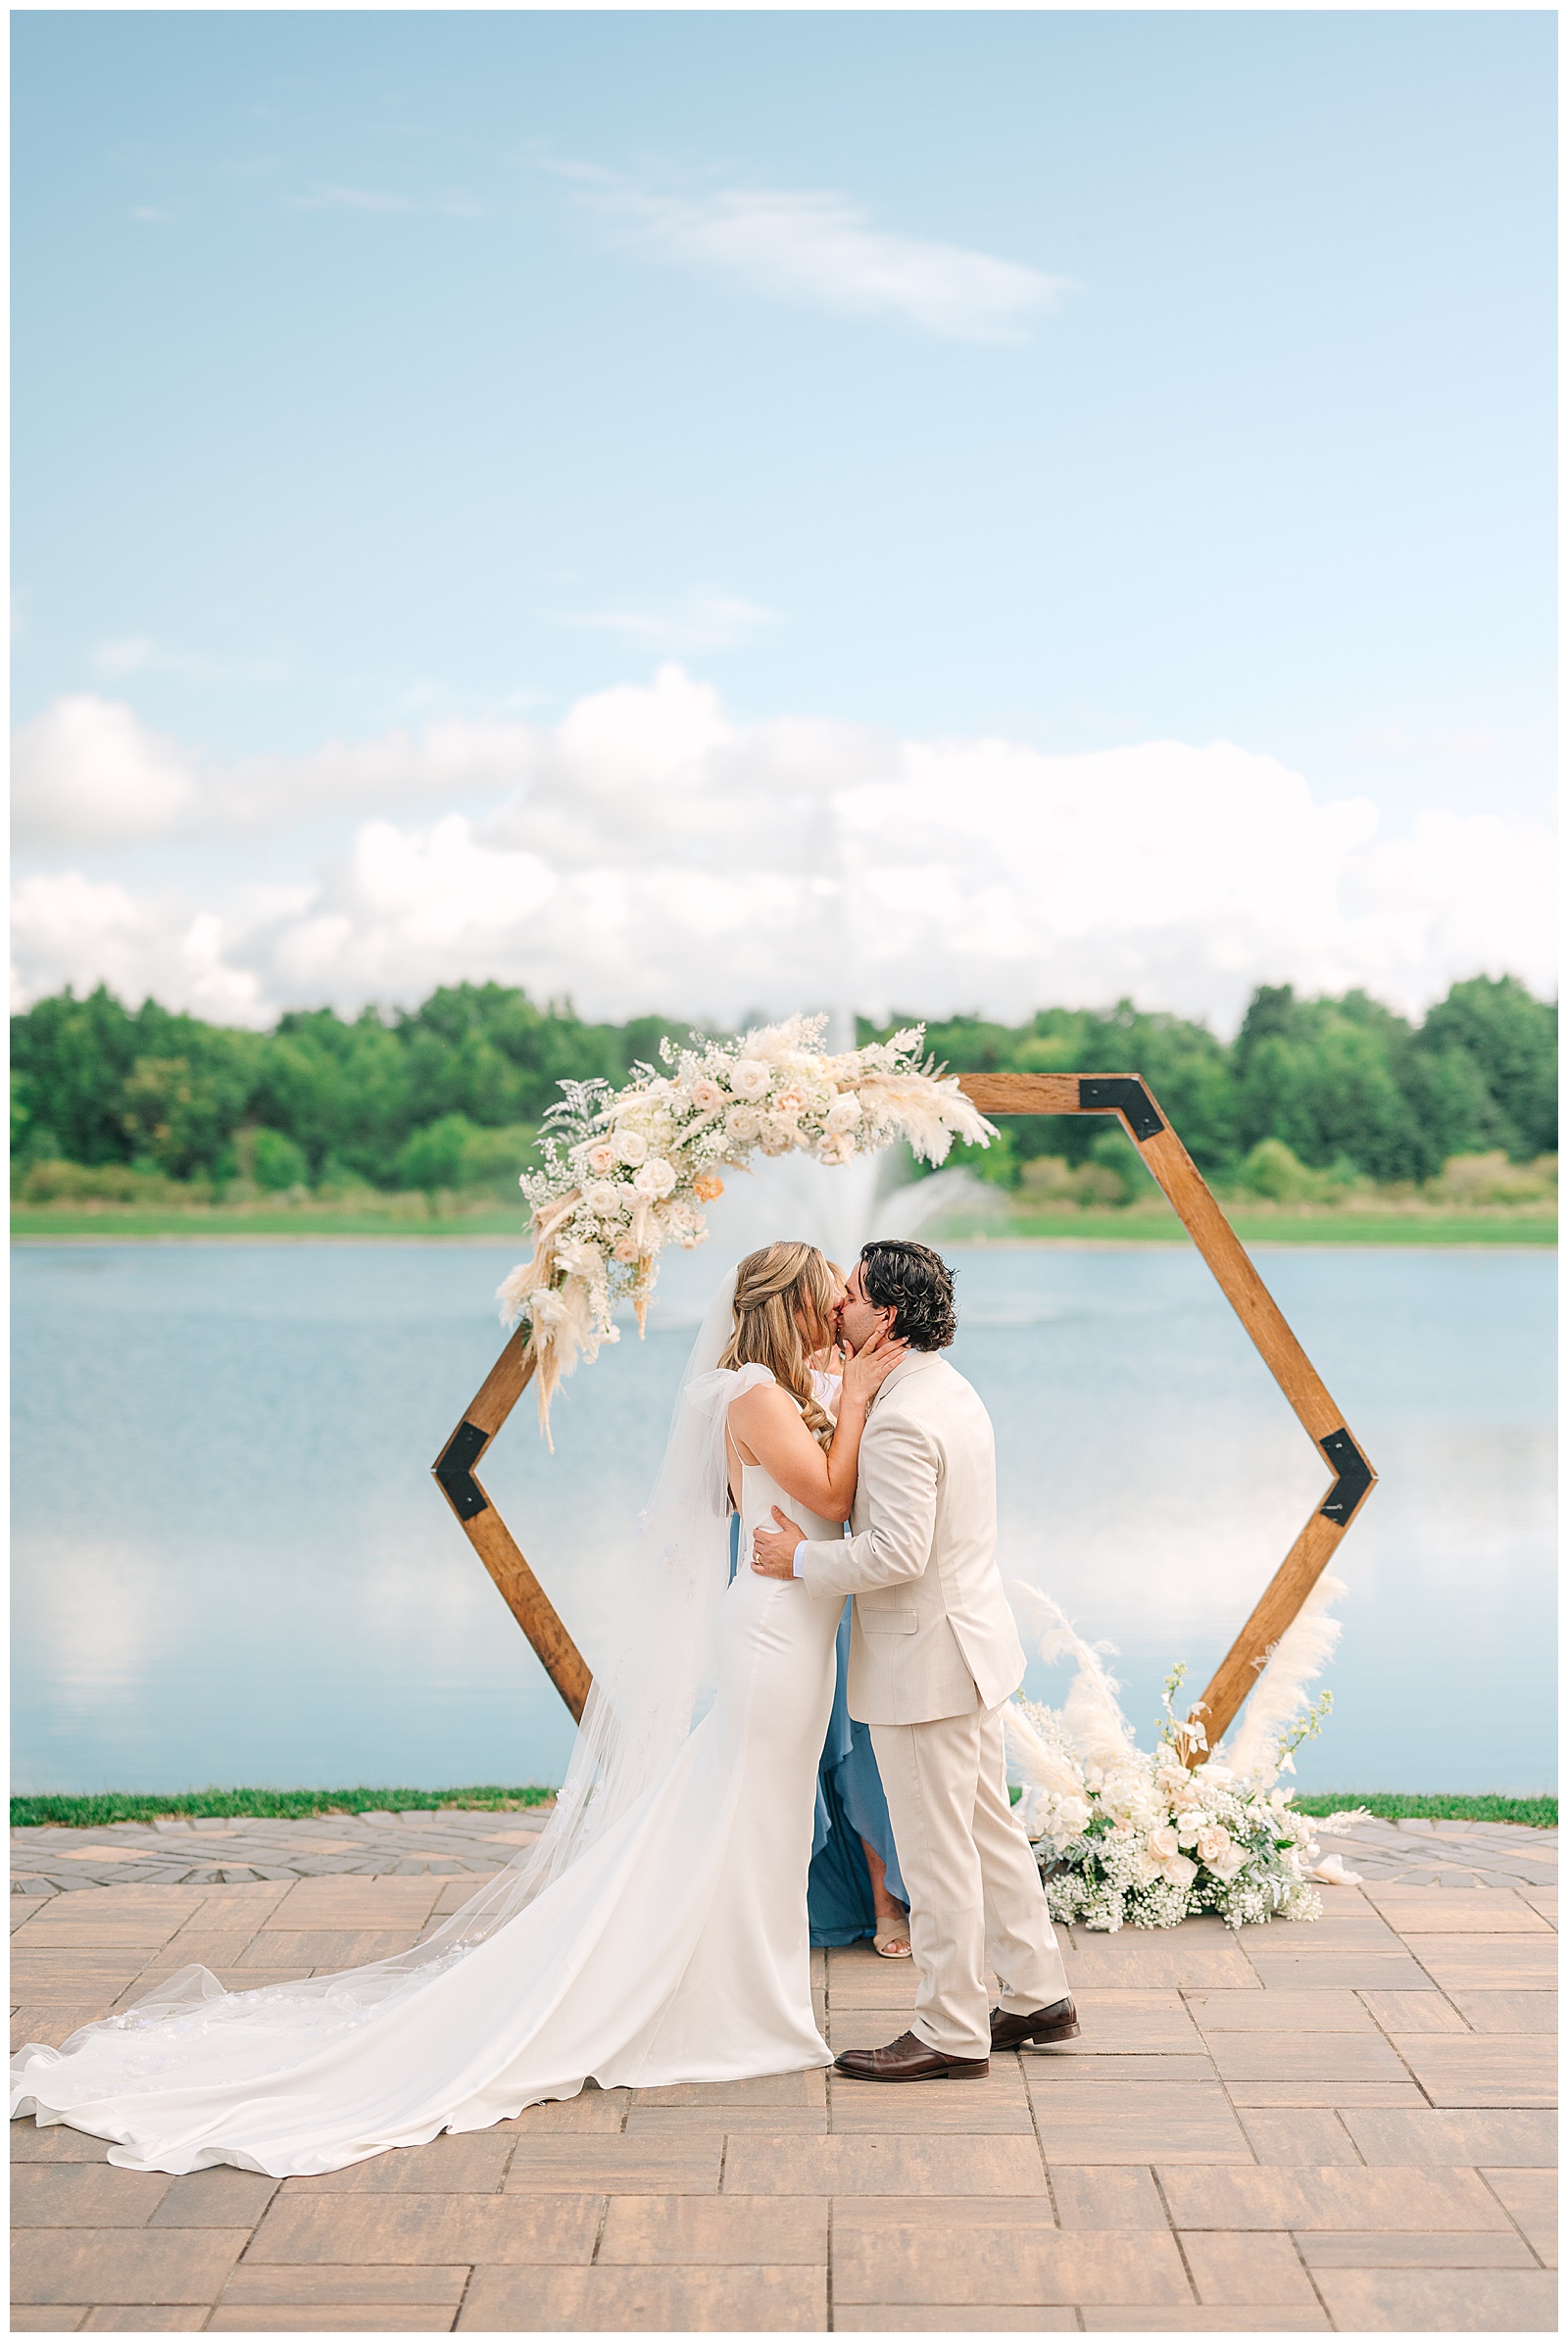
(449, 1095)
(1343, 1087)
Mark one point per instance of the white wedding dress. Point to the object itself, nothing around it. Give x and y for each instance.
(671, 1946)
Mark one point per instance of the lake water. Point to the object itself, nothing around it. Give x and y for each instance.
(233, 1566)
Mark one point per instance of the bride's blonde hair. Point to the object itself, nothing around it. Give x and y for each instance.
(773, 1289)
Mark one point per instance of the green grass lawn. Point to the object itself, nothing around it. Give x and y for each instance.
(1313, 1227)
(116, 1224)
(258, 1805)
(1387, 1805)
(292, 1805)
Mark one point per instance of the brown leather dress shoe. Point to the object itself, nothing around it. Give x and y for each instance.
(908, 2059)
(1059, 2023)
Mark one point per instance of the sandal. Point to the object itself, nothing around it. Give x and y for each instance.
(893, 1943)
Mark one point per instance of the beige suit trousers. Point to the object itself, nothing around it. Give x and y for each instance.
(975, 1898)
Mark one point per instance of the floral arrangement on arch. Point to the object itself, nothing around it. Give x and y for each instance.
(1131, 1839)
(627, 1171)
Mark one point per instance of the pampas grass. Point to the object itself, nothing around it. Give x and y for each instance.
(1091, 1718)
(1041, 1766)
(1279, 1695)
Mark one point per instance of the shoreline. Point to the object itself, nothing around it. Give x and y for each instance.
(1387, 1231)
(100, 1809)
(1331, 1241)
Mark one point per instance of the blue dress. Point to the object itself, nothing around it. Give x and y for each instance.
(850, 1806)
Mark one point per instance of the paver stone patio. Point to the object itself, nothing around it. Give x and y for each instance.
(1295, 2130)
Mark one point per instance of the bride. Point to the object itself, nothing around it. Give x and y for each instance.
(656, 1932)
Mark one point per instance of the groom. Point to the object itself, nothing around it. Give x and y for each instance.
(934, 1654)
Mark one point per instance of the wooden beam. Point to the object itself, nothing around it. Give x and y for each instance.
(1129, 1098)
(489, 1535)
(532, 1608)
(1281, 1600)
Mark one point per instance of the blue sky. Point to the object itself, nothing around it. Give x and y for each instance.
(397, 394)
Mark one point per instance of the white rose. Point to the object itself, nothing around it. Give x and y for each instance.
(779, 1133)
(744, 1124)
(655, 1180)
(1163, 1844)
(600, 1156)
(605, 1198)
(631, 1146)
(547, 1310)
(844, 1114)
(749, 1078)
(707, 1096)
(1218, 1851)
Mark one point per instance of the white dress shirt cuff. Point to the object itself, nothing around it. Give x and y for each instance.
(799, 1552)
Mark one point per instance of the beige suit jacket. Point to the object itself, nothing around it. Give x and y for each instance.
(932, 1634)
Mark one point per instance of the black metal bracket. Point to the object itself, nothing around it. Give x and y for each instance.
(1125, 1095)
(455, 1471)
(1355, 1477)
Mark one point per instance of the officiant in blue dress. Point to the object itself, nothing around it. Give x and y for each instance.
(854, 1838)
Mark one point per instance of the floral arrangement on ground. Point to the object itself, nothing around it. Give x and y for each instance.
(1126, 1838)
(627, 1171)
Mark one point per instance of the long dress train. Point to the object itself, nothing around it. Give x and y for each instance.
(674, 1949)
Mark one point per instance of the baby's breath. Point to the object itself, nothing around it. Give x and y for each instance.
(1151, 1841)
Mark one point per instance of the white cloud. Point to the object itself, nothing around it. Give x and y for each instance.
(821, 248)
(650, 851)
(706, 618)
(88, 771)
(136, 944)
(453, 758)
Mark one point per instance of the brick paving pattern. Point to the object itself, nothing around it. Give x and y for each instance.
(446, 1842)
(450, 1841)
(1339, 2128)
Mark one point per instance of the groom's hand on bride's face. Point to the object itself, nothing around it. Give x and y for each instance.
(773, 1550)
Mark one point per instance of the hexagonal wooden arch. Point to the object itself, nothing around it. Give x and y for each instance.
(1129, 1098)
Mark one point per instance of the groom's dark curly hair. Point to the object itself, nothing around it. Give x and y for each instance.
(916, 1283)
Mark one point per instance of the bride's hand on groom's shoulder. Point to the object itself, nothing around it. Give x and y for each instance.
(866, 1369)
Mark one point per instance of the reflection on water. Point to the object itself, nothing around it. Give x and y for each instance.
(232, 1564)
